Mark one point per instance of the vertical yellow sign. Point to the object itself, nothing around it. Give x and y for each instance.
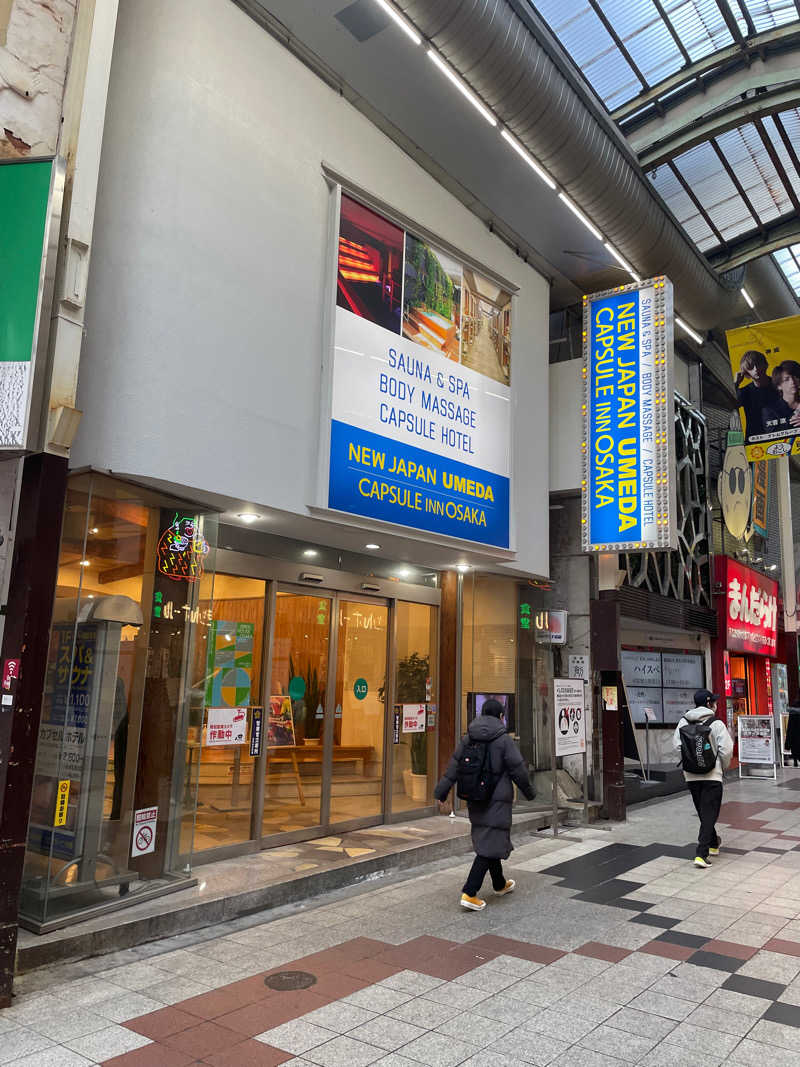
(62, 800)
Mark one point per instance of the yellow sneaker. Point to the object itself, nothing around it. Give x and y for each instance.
(509, 887)
(700, 862)
(472, 903)
(715, 851)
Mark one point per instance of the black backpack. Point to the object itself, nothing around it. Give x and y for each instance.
(474, 781)
(698, 749)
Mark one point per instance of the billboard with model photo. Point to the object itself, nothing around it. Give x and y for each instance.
(765, 361)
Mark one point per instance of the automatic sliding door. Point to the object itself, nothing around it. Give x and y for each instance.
(356, 779)
(295, 707)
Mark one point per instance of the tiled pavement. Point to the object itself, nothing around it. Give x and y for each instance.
(613, 951)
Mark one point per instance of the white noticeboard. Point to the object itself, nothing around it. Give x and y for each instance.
(756, 741)
(569, 716)
(226, 726)
(144, 831)
(413, 718)
(579, 667)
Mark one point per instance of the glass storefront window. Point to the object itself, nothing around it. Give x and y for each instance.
(416, 684)
(489, 645)
(110, 754)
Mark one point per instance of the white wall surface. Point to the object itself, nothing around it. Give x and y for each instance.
(566, 425)
(202, 361)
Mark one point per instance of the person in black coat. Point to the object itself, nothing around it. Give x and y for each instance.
(491, 822)
(791, 742)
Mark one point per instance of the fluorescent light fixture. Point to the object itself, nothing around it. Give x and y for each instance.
(372, 546)
(310, 553)
(394, 14)
(625, 265)
(85, 563)
(249, 516)
(576, 211)
(462, 88)
(695, 336)
(524, 154)
(748, 298)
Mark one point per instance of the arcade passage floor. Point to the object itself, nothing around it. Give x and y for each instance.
(614, 950)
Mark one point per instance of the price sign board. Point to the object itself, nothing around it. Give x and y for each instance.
(569, 717)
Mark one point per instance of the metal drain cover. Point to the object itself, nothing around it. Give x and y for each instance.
(285, 980)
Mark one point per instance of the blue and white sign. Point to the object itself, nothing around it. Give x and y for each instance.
(421, 395)
(628, 491)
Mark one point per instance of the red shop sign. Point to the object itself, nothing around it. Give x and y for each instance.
(751, 609)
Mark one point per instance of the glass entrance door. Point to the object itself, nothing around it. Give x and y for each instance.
(359, 719)
(296, 706)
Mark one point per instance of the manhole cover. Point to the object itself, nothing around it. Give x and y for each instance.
(284, 980)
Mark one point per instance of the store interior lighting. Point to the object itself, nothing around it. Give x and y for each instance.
(372, 546)
(249, 516)
(310, 553)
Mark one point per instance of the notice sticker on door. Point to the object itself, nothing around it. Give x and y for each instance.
(144, 831)
(414, 718)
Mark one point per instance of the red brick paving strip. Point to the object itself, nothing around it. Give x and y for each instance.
(598, 951)
(205, 1039)
(788, 948)
(249, 1054)
(155, 1055)
(523, 950)
(162, 1023)
(730, 948)
(269, 1013)
(667, 950)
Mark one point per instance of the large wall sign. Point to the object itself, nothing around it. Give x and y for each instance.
(751, 608)
(421, 386)
(628, 491)
(765, 363)
(30, 206)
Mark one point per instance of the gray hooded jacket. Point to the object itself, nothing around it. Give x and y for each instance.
(722, 740)
(491, 823)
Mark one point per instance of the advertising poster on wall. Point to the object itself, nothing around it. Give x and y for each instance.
(765, 363)
(569, 716)
(421, 385)
(280, 723)
(751, 608)
(628, 491)
(230, 663)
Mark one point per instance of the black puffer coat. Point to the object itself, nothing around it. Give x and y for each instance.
(491, 823)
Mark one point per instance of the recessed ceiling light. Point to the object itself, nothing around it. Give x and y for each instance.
(95, 530)
(91, 596)
(462, 568)
(85, 563)
(404, 572)
(372, 546)
(310, 553)
(248, 516)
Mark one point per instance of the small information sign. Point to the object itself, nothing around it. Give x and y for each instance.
(144, 831)
(569, 717)
(62, 803)
(256, 730)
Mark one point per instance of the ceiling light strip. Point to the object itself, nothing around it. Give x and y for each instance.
(695, 336)
(622, 262)
(748, 298)
(576, 211)
(394, 14)
(462, 88)
(528, 159)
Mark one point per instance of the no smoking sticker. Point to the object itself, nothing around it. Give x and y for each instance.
(144, 831)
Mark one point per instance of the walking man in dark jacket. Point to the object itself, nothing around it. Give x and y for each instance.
(491, 822)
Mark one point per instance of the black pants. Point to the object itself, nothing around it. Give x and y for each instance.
(707, 797)
(480, 866)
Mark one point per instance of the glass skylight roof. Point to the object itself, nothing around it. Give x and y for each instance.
(788, 260)
(727, 187)
(625, 47)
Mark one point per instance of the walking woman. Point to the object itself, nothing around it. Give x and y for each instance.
(491, 819)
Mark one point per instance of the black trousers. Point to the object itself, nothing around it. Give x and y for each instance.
(480, 865)
(707, 797)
